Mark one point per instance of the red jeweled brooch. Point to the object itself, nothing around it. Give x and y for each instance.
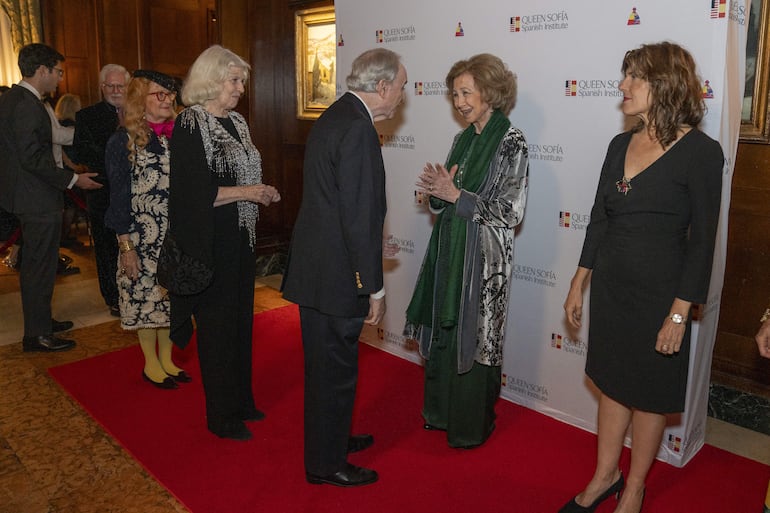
(623, 185)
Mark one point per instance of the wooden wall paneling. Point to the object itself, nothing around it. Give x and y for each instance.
(212, 24)
(295, 131)
(70, 27)
(746, 291)
(233, 31)
(176, 33)
(118, 33)
(79, 44)
(265, 35)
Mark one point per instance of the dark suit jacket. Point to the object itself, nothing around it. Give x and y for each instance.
(30, 182)
(94, 126)
(335, 259)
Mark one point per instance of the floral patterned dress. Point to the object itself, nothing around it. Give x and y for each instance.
(139, 207)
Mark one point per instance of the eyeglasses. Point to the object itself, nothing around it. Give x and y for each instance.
(58, 70)
(162, 95)
(114, 87)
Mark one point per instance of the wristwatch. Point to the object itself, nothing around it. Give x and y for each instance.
(677, 318)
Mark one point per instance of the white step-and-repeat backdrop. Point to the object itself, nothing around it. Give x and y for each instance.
(567, 57)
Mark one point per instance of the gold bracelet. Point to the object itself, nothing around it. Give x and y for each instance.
(125, 246)
(765, 316)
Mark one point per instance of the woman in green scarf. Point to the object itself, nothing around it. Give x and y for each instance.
(458, 309)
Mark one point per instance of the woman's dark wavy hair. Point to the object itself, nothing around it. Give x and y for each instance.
(676, 96)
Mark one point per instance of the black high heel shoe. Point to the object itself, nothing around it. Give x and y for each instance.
(614, 489)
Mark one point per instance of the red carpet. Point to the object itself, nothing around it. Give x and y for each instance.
(530, 464)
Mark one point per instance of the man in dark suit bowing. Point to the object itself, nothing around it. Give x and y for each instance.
(334, 270)
(31, 188)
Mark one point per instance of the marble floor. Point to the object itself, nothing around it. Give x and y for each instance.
(55, 459)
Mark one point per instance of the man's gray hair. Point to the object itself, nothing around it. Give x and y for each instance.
(372, 66)
(112, 68)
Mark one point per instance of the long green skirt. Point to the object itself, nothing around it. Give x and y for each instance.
(461, 404)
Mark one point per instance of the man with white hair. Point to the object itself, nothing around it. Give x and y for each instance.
(334, 271)
(93, 127)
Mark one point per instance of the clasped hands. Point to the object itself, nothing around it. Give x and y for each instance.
(264, 194)
(438, 182)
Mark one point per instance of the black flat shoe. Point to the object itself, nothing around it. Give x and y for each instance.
(57, 326)
(350, 475)
(182, 377)
(232, 430)
(166, 384)
(115, 311)
(359, 442)
(46, 344)
(614, 489)
(431, 427)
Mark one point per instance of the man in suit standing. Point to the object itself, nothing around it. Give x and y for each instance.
(334, 270)
(31, 187)
(94, 126)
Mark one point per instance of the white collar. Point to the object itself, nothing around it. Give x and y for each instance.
(27, 85)
(368, 110)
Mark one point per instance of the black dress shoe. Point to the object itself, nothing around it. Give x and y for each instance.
(46, 344)
(166, 384)
(182, 377)
(359, 442)
(57, 326)
(350, 475)
(235, 430)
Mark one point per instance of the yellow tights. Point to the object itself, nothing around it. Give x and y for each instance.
(158, 364)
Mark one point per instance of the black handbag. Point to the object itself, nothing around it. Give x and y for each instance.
(180, 273)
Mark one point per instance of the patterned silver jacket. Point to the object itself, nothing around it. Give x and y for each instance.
(494, 213)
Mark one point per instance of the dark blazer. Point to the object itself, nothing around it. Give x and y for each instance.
(94, 126)
(335, 258)
(30, 182)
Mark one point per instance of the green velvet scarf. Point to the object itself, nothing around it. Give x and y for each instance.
(445, 256)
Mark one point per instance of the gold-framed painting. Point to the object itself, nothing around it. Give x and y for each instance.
(316, 61)
(754, 114)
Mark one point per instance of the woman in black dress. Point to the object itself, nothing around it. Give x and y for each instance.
(215, 186)
(647, 254)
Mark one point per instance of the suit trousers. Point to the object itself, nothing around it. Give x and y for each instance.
(37, 275)
(105, 244)
(331, 371)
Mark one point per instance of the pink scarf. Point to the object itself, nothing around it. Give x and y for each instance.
(165, 128)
